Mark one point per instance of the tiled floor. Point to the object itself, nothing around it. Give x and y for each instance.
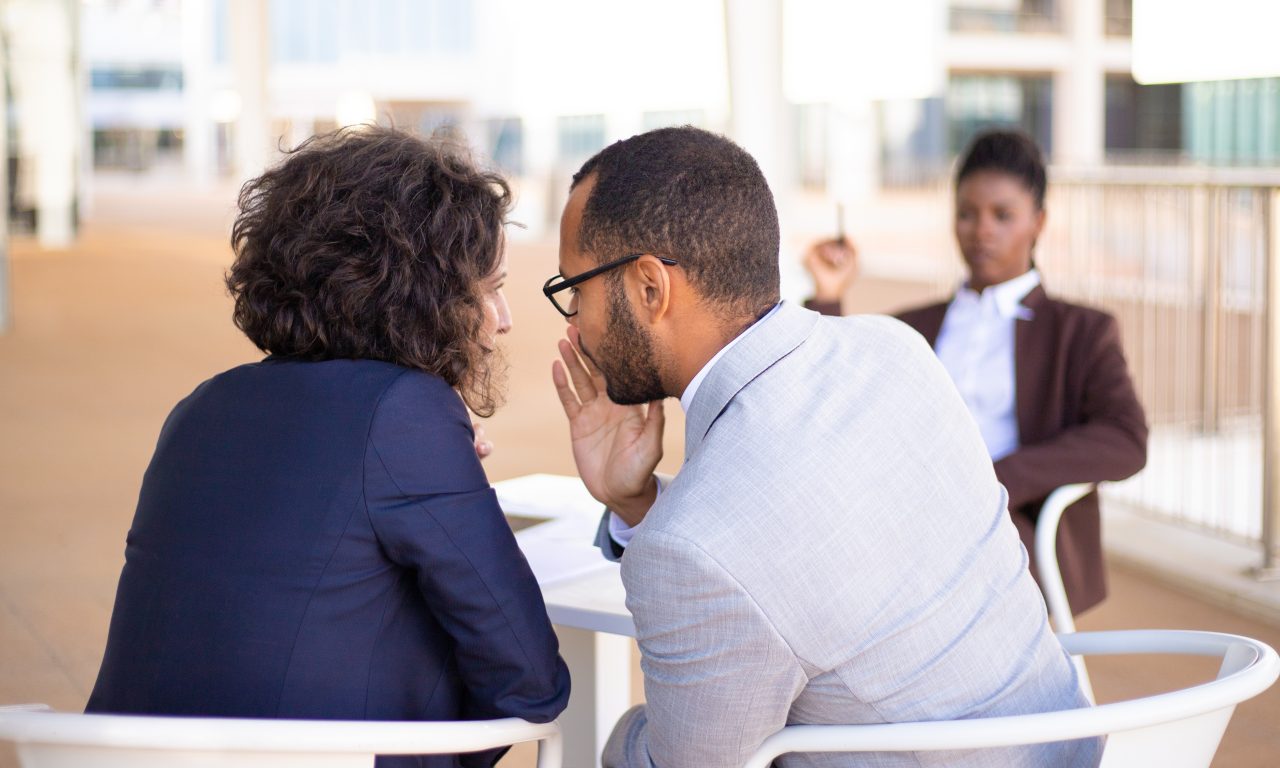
(109, 335)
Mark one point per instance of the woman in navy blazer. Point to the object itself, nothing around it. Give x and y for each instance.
(315, 536)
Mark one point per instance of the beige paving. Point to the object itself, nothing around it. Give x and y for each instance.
(110, 334)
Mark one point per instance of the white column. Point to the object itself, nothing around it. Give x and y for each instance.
(197, 60)
(853, 162)
(44, 84)
(248, 36)
(544, 186)
(758, 111)
(6, 310)
(1079, 109)
(759, 115)
(622, 124)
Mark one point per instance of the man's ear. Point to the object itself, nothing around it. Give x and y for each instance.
(651, 287)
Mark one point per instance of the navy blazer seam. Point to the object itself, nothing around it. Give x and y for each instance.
(293, 647)
(501, 608)
(364, 501)
(364, 464)
(445, 531)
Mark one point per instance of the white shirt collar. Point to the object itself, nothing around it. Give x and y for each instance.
(1007, 296)
(686, 398)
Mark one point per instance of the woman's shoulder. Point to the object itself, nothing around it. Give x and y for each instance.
(1078, 313)
(299, 385)
(922, 310)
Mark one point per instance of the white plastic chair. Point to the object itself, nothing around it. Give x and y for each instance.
(1178, 729)
(1046, 553)
(63, 740)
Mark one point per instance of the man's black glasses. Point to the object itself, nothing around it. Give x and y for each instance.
(551, 287)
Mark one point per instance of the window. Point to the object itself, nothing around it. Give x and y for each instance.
(1118, 21)
(977, 102)
(810, 129)
(1143, 122)
(673, 117)
(579, 137)
(913, 142)
(426, 117)
(1230, 122)
(506, 144)
(221, 21)
(328, 30)
(144, 79)
(1004, 16)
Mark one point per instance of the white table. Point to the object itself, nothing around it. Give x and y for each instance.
(585, 601)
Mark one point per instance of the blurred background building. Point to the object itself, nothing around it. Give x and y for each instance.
(159, 82)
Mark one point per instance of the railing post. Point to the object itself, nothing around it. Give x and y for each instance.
(1270, 568)
(1211, 306)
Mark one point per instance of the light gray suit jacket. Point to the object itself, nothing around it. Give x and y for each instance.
(835, 549)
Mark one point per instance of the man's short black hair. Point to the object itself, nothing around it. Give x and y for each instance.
(693, 196)
(1007, 151)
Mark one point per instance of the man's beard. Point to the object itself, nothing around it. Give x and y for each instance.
(625, 356)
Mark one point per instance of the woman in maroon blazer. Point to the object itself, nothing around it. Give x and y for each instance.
(1045, 380)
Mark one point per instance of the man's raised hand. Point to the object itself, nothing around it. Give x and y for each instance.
(616, 447)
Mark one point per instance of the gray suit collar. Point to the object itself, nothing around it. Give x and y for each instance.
(767, 343)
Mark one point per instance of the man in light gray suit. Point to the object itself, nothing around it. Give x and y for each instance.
(836, 548)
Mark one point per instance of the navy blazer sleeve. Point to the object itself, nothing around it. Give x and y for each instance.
(434, 512)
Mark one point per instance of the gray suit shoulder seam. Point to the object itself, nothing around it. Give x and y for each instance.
(804, 664)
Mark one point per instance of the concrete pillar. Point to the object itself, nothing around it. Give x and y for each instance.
(45, 92)
(1269, 570)
(853, 166)
(248, 28)
(622, 124)
(6, 306)
(1079, 110)
(760, 117)
(545, 184)
(758, 111)
(197, 60)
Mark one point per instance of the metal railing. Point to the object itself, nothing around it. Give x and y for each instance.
(1186, 259)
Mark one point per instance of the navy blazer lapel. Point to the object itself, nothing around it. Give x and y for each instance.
(767, 343)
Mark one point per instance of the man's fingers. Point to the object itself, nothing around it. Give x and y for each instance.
(575, 338)
(582, 380)
(568, 400)
(655, 419)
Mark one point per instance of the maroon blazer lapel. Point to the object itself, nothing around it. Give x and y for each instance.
(1032, 342)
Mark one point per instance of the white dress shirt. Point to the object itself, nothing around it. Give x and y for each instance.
(975, 345)
(620, 531)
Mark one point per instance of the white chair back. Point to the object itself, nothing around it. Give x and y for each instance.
(1178, 729)
(1046, 553)
(63, 740)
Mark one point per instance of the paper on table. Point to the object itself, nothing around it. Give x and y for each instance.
(563, 547)
(553, 496)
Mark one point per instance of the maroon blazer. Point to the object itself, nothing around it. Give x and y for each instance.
(1079, 420)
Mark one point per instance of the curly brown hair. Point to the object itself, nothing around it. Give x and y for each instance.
(373, 243)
